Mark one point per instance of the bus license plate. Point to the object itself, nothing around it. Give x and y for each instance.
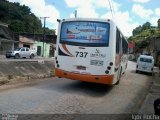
(96, 62)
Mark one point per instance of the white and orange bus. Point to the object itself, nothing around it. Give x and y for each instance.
(91, 50)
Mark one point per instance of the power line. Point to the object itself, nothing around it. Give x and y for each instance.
(75, 13)
(110, 7)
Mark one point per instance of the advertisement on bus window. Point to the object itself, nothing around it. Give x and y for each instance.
(91, 33)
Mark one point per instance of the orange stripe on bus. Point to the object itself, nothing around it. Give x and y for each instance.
(65, 48)
(104, 79)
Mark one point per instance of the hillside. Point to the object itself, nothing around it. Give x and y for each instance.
(20, 18)
(142, 35)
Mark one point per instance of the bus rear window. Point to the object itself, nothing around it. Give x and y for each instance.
(146, 60)
(85, 33)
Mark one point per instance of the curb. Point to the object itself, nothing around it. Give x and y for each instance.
(148, 105)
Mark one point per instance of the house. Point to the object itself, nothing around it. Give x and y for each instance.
(26, 42)
(7, 39)
(131, 47)
(44, 48)
(131, 50)
(155, 49)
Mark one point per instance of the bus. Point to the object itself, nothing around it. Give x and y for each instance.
(90, 50)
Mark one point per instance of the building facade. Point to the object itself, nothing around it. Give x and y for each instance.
(26, 42)
(43, 52)
(43, 47)
(7, 39)
(155, 47)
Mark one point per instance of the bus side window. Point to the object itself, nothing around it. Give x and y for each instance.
(124, 46)
(118, 41)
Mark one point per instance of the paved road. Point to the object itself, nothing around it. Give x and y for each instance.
(68, 96)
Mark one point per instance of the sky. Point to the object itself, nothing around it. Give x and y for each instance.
(128, 14)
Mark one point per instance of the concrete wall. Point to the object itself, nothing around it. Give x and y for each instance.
(30, 69)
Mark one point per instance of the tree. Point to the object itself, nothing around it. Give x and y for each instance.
(146, 26)
(158, 23)
(137, 30)
(17, 26)
(20, 18)
(50, 31)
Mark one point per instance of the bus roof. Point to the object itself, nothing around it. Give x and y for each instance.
(86, 19)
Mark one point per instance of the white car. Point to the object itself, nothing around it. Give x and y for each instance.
(145, 64)
(22, 52)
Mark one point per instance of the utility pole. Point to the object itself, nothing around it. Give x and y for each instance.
(44, 23)
(75, 13)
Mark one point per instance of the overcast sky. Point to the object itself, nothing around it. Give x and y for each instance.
(128, 14)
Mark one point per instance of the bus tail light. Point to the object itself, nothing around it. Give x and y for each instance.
(109, 68)
(111, 63)
(107, 72)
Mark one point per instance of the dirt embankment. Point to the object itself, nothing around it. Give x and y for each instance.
(25, 70)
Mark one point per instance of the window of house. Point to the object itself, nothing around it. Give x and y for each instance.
(27, 49)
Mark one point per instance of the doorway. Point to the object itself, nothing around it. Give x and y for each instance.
(39, 50)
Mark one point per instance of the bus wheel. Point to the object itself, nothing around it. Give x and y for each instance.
(119, 77)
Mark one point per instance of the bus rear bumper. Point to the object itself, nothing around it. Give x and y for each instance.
(104, 79)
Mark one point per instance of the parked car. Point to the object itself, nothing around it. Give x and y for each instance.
(22, 52)
(145, 63)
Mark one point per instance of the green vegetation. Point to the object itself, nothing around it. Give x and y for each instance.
(20, 18)
(142, 35)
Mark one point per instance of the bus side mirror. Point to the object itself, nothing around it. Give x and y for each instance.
(58, 20)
